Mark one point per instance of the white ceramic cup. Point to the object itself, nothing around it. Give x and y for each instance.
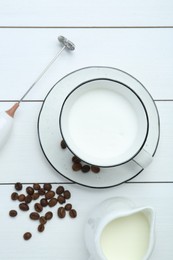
(105, 123)
(133, 231)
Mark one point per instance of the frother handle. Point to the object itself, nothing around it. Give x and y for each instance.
(90, 258)
(143, 158)
(6, 124)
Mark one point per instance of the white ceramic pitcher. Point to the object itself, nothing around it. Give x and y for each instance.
(116, 209)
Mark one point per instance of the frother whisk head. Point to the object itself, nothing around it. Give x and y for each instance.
(68, 44)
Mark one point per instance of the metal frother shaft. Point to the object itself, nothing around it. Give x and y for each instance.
(66, 44)
(6, 118)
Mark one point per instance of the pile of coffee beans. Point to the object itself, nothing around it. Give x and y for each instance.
(46, 197)
(78, 165)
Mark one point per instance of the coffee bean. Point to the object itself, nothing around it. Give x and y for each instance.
(41, 228)
(76, 166)
(29, 190)
(49, 195)
(43, 220)
(28, 198)
(34, 216)
(68, 207)
(35, 196)
(41, 191)
(75, 159)
(48, 215)
(38, 207)
(60, 190)
(73, 213)
(27, 235)
(24, 206)
(61, 199)
(61, 212)
(47, 186)
(67, 194)
(52, 202)
(43, 202)
(85, 168)
(21, 197)
(95, 169)
(18, 186)
(36, 186)
(14, 196)
(63, 144)
(12, 213)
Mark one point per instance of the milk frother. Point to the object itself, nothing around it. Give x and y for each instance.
(7, 117)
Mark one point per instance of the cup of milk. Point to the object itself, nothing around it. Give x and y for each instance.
(117, 229)
(105, 123)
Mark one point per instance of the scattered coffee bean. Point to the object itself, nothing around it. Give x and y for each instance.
(85, 168)
(43, 220)
(49, 199)
(41, 228)
(67, 194)
(48, 215)
(60, 190)
(43, 202)
(68, 207)
(75, 159)
(61, 212)
(47, 186)
(18, 186)
(41, 191)
(73, 213)
(21, 197)
(36, 186)
(52, 202)
(30, 190)
(38, 207)
(12, 213)
(34, 216)
(49, 195)
(95, 169)
(76, 166)
(63, 144)
(24, 206)
(28, 199)
(27, 235)
(14, 196)
(61, 199)
(35, 196)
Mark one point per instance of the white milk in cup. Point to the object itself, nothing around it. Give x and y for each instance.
(104, 123)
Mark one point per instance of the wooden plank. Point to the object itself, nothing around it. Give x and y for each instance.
(86, 13)
(146, 54)
(22, 158)
(162, 163)
(130, 35)
(64, 238)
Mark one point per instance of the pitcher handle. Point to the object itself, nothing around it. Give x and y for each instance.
(143, 158)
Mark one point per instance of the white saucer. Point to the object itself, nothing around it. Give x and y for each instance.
(50, 136)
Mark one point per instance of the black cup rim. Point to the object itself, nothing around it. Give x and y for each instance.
(145, 110)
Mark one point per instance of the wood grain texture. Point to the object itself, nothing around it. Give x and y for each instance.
(64, 238)
(146, 54)
(86, 13)
(22, 158)
(134, 36)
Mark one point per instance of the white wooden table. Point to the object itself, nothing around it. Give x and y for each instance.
(134, 36)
